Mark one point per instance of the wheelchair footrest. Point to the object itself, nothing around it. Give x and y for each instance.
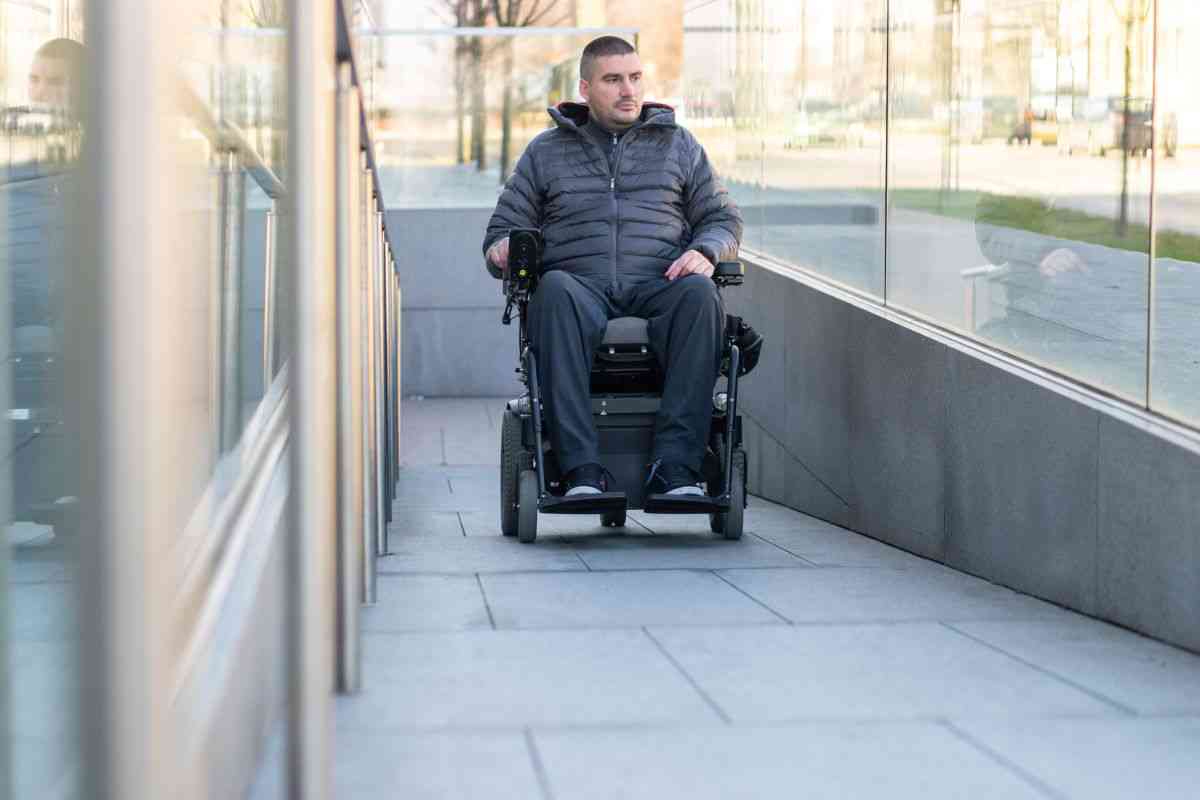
(684, 504)
(604, 503)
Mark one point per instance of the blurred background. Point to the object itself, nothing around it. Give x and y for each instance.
(1025, 173)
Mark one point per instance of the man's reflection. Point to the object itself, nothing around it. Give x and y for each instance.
(35, 200)
(55, 75)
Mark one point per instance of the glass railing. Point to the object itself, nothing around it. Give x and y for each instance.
(1015, 172)
(151, 314)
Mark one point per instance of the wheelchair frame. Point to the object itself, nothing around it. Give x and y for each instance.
(530, 495)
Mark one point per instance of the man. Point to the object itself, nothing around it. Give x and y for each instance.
(633, 221)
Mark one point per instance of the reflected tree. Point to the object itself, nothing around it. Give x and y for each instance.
(461, 13)
(1132, 18)
(264, 13)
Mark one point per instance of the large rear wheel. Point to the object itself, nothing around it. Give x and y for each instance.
(512, 455)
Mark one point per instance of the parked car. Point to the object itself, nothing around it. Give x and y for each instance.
(1088, 128)
(1097, 126)
(822, 123)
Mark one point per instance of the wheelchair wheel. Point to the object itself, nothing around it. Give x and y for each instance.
(512, 454)
(615, 519)
(729, 523)
(527, 506)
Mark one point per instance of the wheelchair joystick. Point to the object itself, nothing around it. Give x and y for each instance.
(524, 269)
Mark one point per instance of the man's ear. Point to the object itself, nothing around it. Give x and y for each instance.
(583, 88)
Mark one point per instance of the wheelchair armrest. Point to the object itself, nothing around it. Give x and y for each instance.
(729, 273)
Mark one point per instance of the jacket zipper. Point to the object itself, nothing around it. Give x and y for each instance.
(612, 193)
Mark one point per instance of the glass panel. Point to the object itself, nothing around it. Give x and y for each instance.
(445, 144)
(723, 98)
(1175, 342)
(1015, 214)
(41, 84)
(824, 144)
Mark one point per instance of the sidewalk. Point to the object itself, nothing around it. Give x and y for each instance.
(663, 662)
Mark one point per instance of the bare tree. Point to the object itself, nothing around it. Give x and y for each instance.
(264, 13)
(458, 13)
(1134, 15)
(515, 14)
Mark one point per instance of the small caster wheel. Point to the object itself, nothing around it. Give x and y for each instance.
(613, 519)
(527, 507)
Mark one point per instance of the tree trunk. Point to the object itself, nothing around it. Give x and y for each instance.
(460, 107)
(506, 114)
(1123, 219)
(478, 106)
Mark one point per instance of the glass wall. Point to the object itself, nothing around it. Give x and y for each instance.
(1021, 172)
(1007, 169)
(41, 79)
(183, 346)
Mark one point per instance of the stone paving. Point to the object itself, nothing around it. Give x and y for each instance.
(662, 662)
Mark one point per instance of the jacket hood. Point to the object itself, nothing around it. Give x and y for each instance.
(573, 116)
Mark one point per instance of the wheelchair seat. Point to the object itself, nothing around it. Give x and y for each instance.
(626, 332)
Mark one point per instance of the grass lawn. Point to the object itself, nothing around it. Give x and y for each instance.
(1032, 214)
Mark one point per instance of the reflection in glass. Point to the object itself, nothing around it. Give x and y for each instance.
(1175, 334)
(41, 86)
(1019, 186)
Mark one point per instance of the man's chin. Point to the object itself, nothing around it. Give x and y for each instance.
(627, 115)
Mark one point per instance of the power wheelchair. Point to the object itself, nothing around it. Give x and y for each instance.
(626, 388)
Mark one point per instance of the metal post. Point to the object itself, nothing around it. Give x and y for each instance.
(390, 266)
(366, 540)
(313, 498)
(270, 287)
(388, 484)
(349, 461)
(233, 207)
(370, 482)
(377, 284)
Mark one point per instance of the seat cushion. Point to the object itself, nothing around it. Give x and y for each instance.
(626, 332)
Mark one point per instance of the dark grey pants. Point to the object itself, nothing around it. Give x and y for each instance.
(568, 316)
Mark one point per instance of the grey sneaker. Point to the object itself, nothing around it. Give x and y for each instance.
(587, 479)
(672, 478)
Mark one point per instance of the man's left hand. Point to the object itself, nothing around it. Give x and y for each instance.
(690, 263)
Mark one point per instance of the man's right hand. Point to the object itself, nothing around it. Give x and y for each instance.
(498, 255)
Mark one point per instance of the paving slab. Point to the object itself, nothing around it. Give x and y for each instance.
(1099, 759)
(28, 570)
(419, 522)
(1146, 676)
(427, 603)
(681, 551)
(618, 599)
(829, 546)
(886, 595)
(898, 760)
(377, 766)
(900, 671)
(487, 523)
(511, 679)
(471, 554)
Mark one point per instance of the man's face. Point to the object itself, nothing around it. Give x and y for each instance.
(49, 83)
(615, 91)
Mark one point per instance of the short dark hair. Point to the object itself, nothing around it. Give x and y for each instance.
(604, 46)
(73, 54)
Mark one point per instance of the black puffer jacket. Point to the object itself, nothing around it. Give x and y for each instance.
(629, 227)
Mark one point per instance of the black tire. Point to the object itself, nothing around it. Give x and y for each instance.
(527, 506)
(715, 481)
(729, 523)
(512, 458)
(613, 519)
